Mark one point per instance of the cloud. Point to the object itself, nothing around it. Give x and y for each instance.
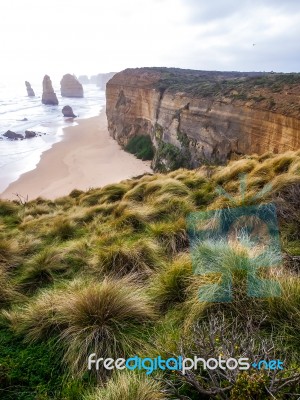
(226, 32)
(90, 36)
(205, 11)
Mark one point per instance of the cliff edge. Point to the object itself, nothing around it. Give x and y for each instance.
(195, 117)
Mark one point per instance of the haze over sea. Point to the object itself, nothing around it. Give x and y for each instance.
(20, 156)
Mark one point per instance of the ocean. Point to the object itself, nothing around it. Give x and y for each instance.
(20, 156)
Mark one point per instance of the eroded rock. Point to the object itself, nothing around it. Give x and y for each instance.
(49, 96)
(30, 134)
(13, 135)
(68, 112)
(70, 86)
(29, 89)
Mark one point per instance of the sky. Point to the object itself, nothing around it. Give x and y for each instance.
(92, 36)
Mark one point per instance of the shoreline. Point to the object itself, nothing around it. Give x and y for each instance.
(85, 158)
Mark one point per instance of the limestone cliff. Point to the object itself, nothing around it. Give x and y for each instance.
(200, 116)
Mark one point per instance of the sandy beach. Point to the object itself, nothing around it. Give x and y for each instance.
(86, 157)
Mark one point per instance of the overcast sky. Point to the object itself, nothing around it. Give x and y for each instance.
(91, 36)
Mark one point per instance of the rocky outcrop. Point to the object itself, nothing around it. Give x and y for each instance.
(30, 134)
(29, 89)
(68, 112)
(70, 86)
(12, 135)
(49, 96)
(197, 116)
(84, 79)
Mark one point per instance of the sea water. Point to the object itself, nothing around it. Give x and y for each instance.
(20, 156)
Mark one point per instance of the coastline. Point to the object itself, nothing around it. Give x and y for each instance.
(86, 157)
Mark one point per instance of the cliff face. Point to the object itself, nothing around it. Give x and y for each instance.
(195, 116)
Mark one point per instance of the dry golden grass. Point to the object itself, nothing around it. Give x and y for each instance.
(233, 170)
(127, 256)
(129, 386)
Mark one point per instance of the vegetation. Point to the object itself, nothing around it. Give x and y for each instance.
(128, 386)
(110, 271)
(173, 158)
(141, 147)
(243, 85)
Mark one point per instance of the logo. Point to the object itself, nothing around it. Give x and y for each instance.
(179, 364)
(239, 238)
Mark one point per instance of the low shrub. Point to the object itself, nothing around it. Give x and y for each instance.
(141, 147)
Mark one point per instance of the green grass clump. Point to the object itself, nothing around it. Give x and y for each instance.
(41, 268)
(62, 229)
(141, 147)
(128, 256)
(7, 208)
(170, 234)
(168, 286)
(129, 386)
(8, 292)
(8, 250)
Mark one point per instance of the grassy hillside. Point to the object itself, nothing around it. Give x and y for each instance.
(109, 271)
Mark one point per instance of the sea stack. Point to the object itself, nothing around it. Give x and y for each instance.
(29, 89)
(68, 112)
(49, 97)
(70, 86)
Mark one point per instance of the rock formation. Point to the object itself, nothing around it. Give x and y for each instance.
(49, 96)
(13, 135)
(70, 86)
(102, 79)
(30, 134)
(204, 116)
(68, 112)
(29, 89)
(84, 80)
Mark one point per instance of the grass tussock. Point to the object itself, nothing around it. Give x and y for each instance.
(169, 285)
(171, 235)
(8, 250)
(8, 291)
(233, 170)
(8, 208)
(42, 268)
(105, 318)
(129, 386)
(128, 256)
(62, 229)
